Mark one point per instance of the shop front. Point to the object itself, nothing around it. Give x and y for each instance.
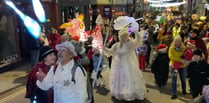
(9, 46)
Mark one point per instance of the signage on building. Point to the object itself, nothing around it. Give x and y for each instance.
(107, 11)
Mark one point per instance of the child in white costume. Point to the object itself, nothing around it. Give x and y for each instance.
(126, 79)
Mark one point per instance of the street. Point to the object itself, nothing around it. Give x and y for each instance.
(102, 95)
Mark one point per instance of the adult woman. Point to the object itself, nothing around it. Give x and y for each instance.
(47, 58)
(126, 79)
(175, 54)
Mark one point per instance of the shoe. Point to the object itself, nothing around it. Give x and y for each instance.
(102, 82)
(159, 86)
(184, 92)
(173, 96)
(97, 84)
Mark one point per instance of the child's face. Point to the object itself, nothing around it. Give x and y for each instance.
(51, 58)
(196, 58)
(189, 46)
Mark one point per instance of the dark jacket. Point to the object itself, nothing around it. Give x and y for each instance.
(198, 72)
(160, 63)
(31, 88)
(160, 68)
(200, 44)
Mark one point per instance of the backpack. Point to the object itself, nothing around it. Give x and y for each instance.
(85, 73)
(89, 86)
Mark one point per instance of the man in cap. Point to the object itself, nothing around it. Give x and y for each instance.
(59, 77)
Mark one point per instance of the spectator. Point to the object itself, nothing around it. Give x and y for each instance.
(65, 89)
(47, 58)
(200, 44)
(159, 68)
(175, 54)
(197, 73)
(54, 38)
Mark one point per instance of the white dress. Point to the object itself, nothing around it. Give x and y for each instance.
(126, 79)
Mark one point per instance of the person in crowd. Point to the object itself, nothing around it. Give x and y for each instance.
(200, 44)
(176, 30)
(147, 40)
(126, 80)
(54, 38)
(190, 47)
(66, 37)
(167, 39)
(66, 88)
(161, 33)
(159, 68)
(89, 52)
(43, 38)
(142, 54)
(184, 33)
(35, 45)
(198, 72)
(88, 44)
(150, 43)
(47, 58)
(81, 57)
(98, 67)
(113, 40)
(175, 54)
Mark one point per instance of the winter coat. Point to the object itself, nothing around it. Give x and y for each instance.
(198, 73)
(176, 55)
(54, 40)
(32, 89)
(200, 44)
(160, 63)
(160, 68)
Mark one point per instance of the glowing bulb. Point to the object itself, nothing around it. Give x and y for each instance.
(167, 4)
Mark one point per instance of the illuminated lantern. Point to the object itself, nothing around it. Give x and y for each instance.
(195, 17)
(145, 1)
(203, 18)
(98, 39)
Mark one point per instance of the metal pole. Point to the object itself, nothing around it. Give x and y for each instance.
(90, 17)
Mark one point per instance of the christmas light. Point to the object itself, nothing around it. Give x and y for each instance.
(157, 1)
(168, 4)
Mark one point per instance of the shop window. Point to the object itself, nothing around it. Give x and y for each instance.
(8, 44)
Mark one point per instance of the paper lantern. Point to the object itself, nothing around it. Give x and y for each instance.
(203, 17)
(195, 17)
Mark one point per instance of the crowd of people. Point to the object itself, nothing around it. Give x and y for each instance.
(63, 72)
